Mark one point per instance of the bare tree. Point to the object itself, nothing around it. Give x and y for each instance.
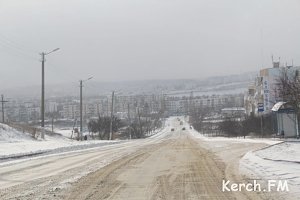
(288, 87)
(102, 126)
(197, 116)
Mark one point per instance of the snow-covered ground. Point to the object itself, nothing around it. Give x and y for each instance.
(280, 160)
(9, 134)
(70, 157)
(277, 162)
(14, 144)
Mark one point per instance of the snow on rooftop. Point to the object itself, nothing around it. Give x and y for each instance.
(277, 106)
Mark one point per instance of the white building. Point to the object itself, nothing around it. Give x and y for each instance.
(264, 92)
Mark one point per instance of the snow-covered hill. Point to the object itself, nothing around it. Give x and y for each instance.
(9, 134)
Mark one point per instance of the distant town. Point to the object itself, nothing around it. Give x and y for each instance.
(234, 98)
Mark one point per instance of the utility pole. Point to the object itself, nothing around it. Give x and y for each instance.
(81, 117)
(80, 105)
(43, 91)
(3, 102)
(52, 122)
(43, 54)
(129, 121)
(139, 118)
(111, 115)
(107, 107)
(261, 125)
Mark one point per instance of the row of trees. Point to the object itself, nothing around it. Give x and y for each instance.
(237, 126)
(197, 116)
(139, 127)
(252, 125)
(102, 125)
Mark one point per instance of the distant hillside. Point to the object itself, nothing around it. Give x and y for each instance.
(220, 84)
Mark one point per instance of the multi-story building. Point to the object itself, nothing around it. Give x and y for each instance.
(185, 105)
(263, 94)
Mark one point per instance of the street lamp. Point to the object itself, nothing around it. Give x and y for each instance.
(81, 81)
(43, 54)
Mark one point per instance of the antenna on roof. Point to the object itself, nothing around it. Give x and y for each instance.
(272, 58)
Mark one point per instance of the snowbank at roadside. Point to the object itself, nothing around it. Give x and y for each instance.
(286, 151)
(277, 162)
(47, 146)
(280, 160)
(269, 141)
(16, 144)
(9, 134)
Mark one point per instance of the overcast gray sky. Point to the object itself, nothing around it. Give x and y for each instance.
(143, 39)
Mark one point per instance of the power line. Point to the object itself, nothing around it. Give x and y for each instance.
(14, 48)
(17, 45)
(17, 53)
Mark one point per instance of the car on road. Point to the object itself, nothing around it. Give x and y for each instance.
(172, 129)
(183, 128)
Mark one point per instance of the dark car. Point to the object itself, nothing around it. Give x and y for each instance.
(172, 129)
(183, 128)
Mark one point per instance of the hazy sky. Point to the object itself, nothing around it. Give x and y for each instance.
(143, 39)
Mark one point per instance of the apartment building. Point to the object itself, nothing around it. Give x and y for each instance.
(263, 94)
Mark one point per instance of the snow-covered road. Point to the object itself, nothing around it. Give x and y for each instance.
(48, 175)
(18, 171)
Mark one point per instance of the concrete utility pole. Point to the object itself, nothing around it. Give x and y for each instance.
(139, 118)
(43, 91)
(2, 102)
(261, 125)
(129, 121)
(80, 105)
(43, 54)
(111, 114)
(81, 117)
